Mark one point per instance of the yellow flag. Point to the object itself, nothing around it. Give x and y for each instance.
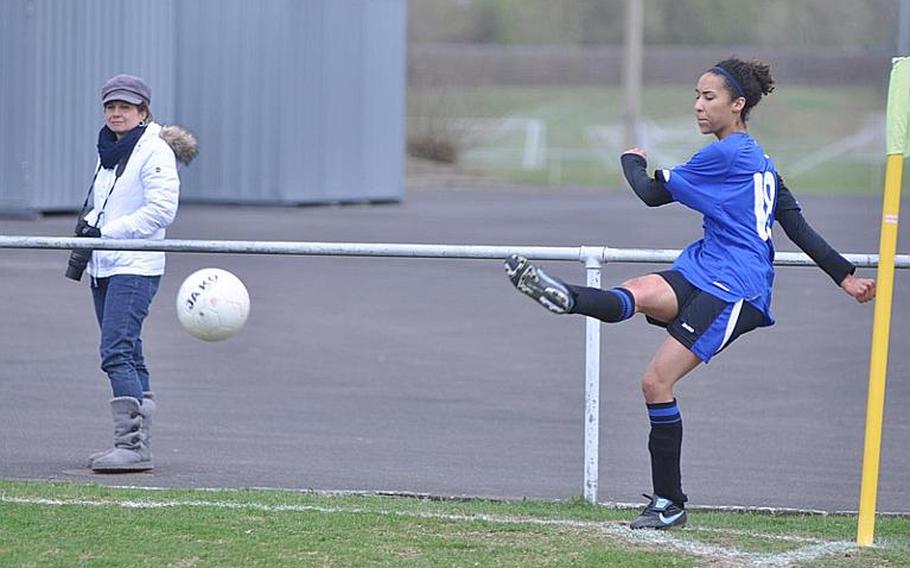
(898, 146)
(898, 114)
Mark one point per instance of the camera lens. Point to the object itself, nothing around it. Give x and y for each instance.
(77, 262)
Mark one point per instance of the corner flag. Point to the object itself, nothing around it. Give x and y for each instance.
(898, 110)
(897, 146)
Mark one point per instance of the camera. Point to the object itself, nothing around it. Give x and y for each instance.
(79, 257)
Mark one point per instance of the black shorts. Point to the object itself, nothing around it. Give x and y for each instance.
(706, 324)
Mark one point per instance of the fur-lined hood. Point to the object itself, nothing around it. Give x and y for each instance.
(181, 141)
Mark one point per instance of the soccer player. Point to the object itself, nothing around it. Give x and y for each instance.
(720, 286)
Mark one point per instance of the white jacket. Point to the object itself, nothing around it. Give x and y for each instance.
(143, 202)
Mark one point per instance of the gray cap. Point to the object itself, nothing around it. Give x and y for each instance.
(128, 88)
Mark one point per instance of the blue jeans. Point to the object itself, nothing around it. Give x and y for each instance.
(121, 305)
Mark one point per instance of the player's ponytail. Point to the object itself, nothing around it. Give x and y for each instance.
(748, 79)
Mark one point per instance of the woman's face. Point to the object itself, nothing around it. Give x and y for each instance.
(121, 117)
(716, 111)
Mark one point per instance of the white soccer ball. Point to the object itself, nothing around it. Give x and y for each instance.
(212, 304)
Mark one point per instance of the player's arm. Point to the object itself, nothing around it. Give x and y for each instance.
(648, 189)
(789, 215)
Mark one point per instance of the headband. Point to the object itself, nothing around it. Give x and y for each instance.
(730, 79)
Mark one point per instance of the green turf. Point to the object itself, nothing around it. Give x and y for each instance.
(59, 524)
(792, 124)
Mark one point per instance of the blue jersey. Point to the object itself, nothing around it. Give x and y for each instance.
(733, 184)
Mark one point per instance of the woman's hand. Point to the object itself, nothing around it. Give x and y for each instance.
(637, 151)
(863, 289)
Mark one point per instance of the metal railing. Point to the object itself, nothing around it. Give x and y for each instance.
(593, 258)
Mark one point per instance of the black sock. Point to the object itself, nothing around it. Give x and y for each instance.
(610, 306)
(665, 445)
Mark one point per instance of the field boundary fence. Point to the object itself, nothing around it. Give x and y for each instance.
(593, 258)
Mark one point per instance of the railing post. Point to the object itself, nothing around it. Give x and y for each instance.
(592, 388)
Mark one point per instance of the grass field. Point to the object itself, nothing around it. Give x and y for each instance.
(824, 140)
(56, 524)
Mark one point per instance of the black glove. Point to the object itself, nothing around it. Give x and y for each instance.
(86, 230)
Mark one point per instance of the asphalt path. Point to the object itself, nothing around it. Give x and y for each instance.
(435, 376)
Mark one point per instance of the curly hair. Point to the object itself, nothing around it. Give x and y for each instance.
(753, 78)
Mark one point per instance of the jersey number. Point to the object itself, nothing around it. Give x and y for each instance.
(765, 184)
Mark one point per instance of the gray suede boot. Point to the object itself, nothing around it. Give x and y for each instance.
(148, 409)
(131, 451)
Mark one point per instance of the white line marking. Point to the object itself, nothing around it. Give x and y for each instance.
(801, 555)
(617, 530)
(753, 534)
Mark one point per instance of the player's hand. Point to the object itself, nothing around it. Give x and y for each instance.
(637, 151)
(863, 289)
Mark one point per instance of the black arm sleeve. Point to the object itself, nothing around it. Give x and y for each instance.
(649, 190)
(787, 212)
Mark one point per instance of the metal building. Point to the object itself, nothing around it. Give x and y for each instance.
(292, 101)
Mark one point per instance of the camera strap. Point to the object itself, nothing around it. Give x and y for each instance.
(90, 197)
(121, 167)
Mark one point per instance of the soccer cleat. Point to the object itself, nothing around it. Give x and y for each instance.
(550, 292)
(660, 514)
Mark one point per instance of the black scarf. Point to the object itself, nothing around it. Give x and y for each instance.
(111, 150)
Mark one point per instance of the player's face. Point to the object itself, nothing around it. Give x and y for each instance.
(716, 111)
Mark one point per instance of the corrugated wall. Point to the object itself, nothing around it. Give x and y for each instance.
(293, 101)
(59, 54)
(15, 138)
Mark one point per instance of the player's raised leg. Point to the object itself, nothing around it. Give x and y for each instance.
(552, 293)
(649, 294)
